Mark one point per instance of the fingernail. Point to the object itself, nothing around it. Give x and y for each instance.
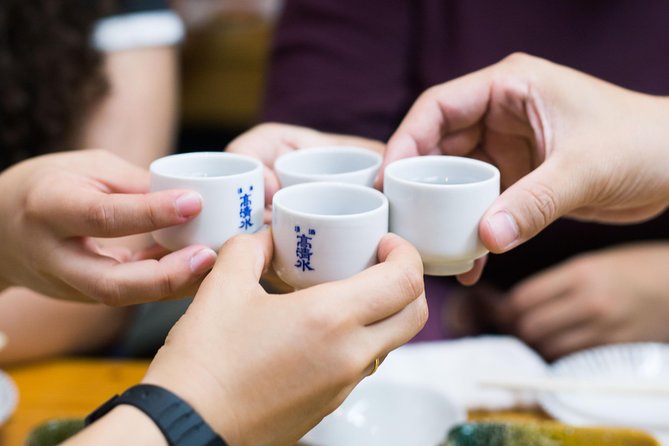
(202, 260)
(504, 229)
(189, 204)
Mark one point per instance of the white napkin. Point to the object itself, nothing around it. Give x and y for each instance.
(455, 368)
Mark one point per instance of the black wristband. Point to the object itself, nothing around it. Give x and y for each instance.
(175, 418)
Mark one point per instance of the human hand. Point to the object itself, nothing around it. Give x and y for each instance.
(615, 295)
(54, 204)
(263, 369)
(267, 142)
(566, 144)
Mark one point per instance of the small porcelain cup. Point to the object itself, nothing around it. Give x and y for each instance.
(340, 164)
(326, 231)
(387, 413)
(436, 203)
(232, 191)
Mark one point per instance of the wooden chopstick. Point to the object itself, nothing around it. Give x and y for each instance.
(580, 385)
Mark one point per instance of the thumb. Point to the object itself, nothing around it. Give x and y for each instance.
(529, 205)
(241, 261)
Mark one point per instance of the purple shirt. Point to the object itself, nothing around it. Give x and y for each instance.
(356, 66)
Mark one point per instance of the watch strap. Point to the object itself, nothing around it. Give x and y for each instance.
(177, 420)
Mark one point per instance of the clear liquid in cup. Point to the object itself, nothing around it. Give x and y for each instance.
(432, 180)
(451, 179)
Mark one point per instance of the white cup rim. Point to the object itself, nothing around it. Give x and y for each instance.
(277, 203)
(392, 168)
(282, 164)
(158, 166)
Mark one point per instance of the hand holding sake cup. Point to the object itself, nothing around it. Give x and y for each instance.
(436, 204)
(327, 221)
(232, 191)
(326, 231)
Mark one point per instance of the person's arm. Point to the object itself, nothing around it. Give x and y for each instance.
(39, 327)
(620, 294)
(58, 202)
(125, 425)
(269, 141)
(136, 119)
(566, 144)
(263, 369)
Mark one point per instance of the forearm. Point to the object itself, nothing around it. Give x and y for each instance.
(37, 326)
(136, 120)
(124, 425)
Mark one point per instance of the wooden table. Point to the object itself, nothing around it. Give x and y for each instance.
(65, 388)
(74, 387)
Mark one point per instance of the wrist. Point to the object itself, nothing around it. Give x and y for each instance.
(178, 422)
(198, 388)
(125, 425)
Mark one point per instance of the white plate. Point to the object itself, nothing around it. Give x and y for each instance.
(646, 363)
(9, 396)
(379, 413)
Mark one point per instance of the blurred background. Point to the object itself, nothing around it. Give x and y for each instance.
(222, 68)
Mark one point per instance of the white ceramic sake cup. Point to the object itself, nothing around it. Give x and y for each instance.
(436, 203)
(232, 191)
(326, 231)
(340, 164)
(386, 413)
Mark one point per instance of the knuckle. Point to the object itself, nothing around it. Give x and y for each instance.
(108, 291)
(355, 362)
(99, 215)
(518, 58)
(410, 281)
(518, 66)
(582, 270)
(542, 205)
(321, 320)
(165, 285)
(268, 127)
(422, 312)
(428, 95)
(152, 215)
(596, 305)
(526, 329)
(34, 200)
(518, 299)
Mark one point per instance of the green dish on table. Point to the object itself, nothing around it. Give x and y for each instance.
(54, 432)
(543, 434)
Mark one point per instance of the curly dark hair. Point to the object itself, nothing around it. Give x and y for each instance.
(50, 74)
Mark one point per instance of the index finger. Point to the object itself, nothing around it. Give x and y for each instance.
(74, 210)
(438, 112)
